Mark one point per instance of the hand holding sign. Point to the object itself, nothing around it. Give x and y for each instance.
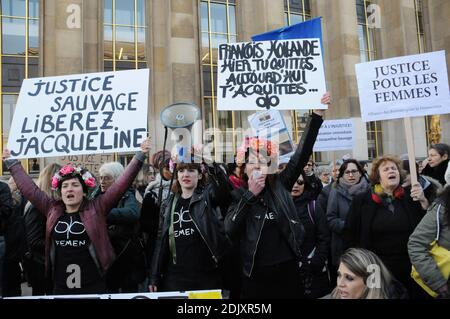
(326, 100)
(145, 145)
(80, 114)
(6, 154)
(418, 195)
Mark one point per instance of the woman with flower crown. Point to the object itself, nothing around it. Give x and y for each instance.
(77, 247)
(382, 219)
(263, 218)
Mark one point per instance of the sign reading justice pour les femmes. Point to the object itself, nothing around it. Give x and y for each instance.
(80, 114)
(407, 86)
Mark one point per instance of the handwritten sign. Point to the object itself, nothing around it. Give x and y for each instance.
(414, 85)
(80, 114)
(278, 74)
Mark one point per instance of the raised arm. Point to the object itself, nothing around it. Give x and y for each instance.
(109, 199)
(304, 147)
(26, 185)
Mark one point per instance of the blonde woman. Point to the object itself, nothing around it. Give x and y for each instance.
(362, 275)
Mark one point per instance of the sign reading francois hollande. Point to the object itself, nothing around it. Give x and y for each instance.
(80, 114)
(276, 74)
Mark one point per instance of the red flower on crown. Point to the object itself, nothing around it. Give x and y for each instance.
(73, 171)
(256, 144)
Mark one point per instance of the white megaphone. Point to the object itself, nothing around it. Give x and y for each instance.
(178, 116)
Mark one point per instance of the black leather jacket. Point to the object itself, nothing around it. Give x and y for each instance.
(205, 213)
(245, 219)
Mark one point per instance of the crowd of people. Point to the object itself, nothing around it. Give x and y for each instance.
(340, 231)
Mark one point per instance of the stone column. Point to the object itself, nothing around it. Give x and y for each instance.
(398, 37)
(341, 53)
(258, 16)
(62, 47)
(175, 63)
(436, 14)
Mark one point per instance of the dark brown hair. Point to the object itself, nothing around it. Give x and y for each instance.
(176, 188)
(345, 164)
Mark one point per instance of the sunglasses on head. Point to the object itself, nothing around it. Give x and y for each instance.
(300, 182)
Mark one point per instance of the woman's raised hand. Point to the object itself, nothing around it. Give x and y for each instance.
(145, 145)
(6, 154)
(326, 99)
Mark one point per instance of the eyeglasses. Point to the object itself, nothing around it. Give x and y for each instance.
(353, 172)
(300, 182)
(105, 178)
(310, 165)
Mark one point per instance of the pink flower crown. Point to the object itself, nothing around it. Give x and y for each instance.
(70, 170)
(256, 144)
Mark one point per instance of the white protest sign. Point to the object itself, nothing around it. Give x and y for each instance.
(193, 294)
(80, 114)
(335, 135)
(414, 85)
(278, 74)
(271, 125)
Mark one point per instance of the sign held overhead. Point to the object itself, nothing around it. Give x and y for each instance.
(80, 114)
(276, 74)
(415, 85)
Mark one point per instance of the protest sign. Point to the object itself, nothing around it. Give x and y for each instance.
(415, 85)
(194, 294)
(80, 114)
(275, 74)
(271, 125)
(91, 162)
(335, 135)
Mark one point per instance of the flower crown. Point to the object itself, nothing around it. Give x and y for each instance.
(256, 144)
(70, 170)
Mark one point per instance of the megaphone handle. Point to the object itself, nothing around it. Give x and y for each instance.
(161, 170)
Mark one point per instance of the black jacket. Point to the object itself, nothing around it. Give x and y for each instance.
(35, 232)
(205, 212)
(358, 232)
(6, 206)
(245, 219)
(317, 234)
(437, 172)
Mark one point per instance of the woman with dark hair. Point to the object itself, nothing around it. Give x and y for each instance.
(191, 240)
(350, 182)
(437, 162)
(263, 218)
(315, 281)
(77, 247)
(382, 219)
(434, 226)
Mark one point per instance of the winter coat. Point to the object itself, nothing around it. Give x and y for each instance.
(92, 212)
(315, 248)
(437, 172)
(206, 215)
(359, 225)
(337, 209)
(245, 219)
(419, 245)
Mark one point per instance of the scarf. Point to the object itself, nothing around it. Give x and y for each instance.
(354, 189)
(154, 187)
(386, 200)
